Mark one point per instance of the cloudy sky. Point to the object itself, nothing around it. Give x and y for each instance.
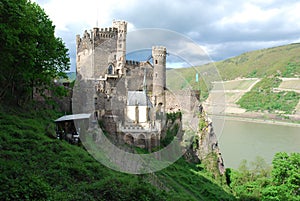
(222, 28)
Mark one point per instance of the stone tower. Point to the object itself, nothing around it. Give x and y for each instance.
(102, 51)
(159, 75)
(121, 26)
(84, 50)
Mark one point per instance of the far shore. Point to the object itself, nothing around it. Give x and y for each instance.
(256, 119)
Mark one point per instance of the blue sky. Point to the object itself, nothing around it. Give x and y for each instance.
(221, 28)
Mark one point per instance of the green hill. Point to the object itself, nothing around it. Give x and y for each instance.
(282, 61)
(34, 165)
(264, 62)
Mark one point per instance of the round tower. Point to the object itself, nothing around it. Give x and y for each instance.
(121, 45)
(159, 75)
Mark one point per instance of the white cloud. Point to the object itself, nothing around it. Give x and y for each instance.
(249, 13)
(291, 15)
(89, 13)
(223, 28)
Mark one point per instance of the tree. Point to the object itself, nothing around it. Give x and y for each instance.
(248, 181)
(285, 182)
(257, 183)
(31, 56)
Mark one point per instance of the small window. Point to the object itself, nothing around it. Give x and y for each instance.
(110, 69)
(156, 62)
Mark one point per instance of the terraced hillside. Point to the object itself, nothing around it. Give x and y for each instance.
(232, 91)
(234, 77)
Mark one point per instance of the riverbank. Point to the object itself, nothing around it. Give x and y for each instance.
(240, 139)
(259, 118)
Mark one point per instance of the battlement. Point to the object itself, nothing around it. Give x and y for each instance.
(108, 32)
(86, 36)
(104, 33)
(132, 63)
(120, 25)
(159, 48)
(84, 42)
(98, 35)
(159, 51)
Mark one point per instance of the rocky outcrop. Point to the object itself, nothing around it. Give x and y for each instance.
(204, 147)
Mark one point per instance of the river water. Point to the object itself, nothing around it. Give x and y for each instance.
(245, 140)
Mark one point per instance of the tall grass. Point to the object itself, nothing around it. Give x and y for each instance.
(36, 166)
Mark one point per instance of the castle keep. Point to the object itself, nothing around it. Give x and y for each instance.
(129, 96)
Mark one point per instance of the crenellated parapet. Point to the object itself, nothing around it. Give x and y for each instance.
(100, 49)
(132, 63)
(84, 42)
(159, 51)
(95, 37)
(121, 25)
(103, 34)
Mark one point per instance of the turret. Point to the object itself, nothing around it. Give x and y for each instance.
(121, 45)
(84, 51)
(159, 75)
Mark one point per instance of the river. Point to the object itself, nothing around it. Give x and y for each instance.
(240, 140)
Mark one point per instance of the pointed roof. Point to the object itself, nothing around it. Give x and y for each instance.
(138, 98)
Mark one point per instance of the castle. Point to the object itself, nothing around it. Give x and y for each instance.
(129, 95)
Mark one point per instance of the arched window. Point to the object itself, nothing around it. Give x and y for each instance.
(110, 69)
(129, 139)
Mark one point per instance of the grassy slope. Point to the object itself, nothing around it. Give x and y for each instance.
(259, 63)
(278, 61)
(35, 166)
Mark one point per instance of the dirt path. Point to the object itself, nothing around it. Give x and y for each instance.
(298, 109)
(228, 98)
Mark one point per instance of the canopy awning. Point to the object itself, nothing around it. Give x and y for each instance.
(73, 117)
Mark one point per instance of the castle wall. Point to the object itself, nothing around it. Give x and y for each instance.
(185, 100)
(101, 62)
(100, 48)
(85, 63)
(104, 56)
(135, 76)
